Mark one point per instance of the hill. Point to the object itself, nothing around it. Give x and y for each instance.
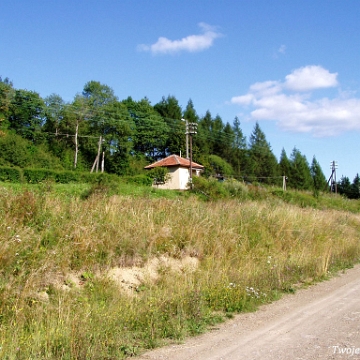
(91, 272)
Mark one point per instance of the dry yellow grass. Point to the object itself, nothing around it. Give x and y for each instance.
(56, 255)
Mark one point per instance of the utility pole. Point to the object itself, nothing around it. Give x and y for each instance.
(332, 178)
(192, 130)
(103, 162)
(97, 159)
(187, 137)
(98, 154)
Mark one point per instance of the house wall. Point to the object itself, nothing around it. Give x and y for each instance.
(174, 182)
(179, 178)
(184, 177)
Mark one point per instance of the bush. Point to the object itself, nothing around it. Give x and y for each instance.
(215, 165)
(144, 180)
(210, 187)
(10, 174)
(16, 151)
(299, 198)
(66, 177)
(236, 189)
(35, 176)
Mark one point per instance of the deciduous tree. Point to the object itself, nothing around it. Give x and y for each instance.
(27, 115)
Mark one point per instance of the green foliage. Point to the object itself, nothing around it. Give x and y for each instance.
(145, 180)
(159, 174)
(6, 96)
(237, 189)
(262, 165)
(54, 112)
(27, 114)
(66, 177)
(299, 198)
(284, 164)
(344, 186)
(151, 129)
(319, 180)
(215, 165)
(16, 151)
(35, 176)
(53, 134)
(355, 188)
(300, 174)
(211, 188)
(11, 174)
(170, 111)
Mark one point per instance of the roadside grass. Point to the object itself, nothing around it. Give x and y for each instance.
(59, 242)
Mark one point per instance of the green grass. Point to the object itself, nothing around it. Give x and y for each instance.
(59, 243)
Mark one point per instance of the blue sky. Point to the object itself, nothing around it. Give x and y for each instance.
(291, 65)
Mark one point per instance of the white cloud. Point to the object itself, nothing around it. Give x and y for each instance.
(279, 52)
(243, 99)
(310, 77)
(266, 88)
(282, 49)
(191, 43)
(296, 111)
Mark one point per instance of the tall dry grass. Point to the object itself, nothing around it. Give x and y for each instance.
(57, 302)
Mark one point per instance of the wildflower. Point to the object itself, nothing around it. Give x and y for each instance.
(252, 292)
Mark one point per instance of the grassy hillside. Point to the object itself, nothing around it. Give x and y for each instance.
(103, 273)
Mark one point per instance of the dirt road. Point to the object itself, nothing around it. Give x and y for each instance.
(320, 322)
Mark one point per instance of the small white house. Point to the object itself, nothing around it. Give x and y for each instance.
(179, 172)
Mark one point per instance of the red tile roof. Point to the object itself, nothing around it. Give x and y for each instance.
(175, 160)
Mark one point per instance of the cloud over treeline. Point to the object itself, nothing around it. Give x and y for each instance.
(293, 104)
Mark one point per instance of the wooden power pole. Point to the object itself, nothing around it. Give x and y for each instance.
(191, 130)
(332, 178)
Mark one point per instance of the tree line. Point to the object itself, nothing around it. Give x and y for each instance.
(97, 129)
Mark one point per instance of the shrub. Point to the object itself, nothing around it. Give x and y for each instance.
(66, 177)
(215, 165)
(210, 187)
(145, 180)
(236, 189)
(10, 174)
(160, 175)
(37, 175)
(20, 152)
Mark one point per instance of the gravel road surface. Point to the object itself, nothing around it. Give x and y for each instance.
(319, 322)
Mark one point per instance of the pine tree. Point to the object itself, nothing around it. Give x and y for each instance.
(355, 188)
(240, 159)
(204, 138)
(226, 141)
(319, 180)
(284, 164)
(344, 186)
(300, 176)
(263, 163)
